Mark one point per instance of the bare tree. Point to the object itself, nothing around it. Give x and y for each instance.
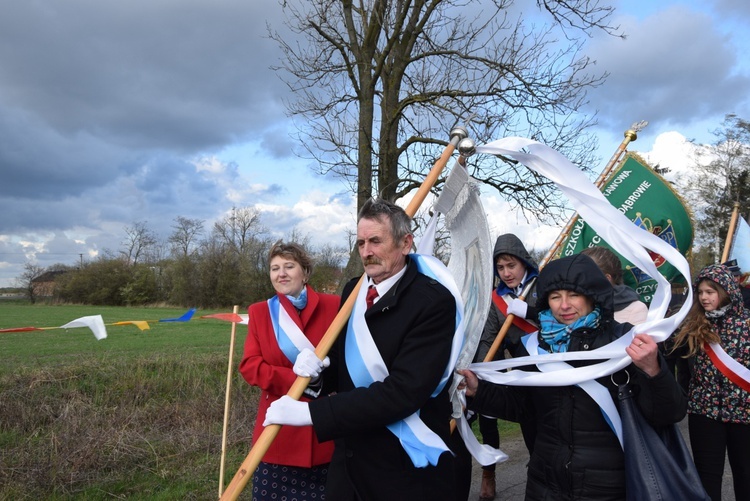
(722, 177)
(240, 229)
(26, 280)
(186, 231)
(139, 238)
(380, 83)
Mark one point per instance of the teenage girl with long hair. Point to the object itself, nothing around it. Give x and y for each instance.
(716, 332)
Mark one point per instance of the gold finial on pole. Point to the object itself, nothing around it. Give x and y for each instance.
(630, 135)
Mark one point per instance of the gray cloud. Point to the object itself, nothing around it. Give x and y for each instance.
(732, 8)
(675, 68)
(106, 108)
(184, 75)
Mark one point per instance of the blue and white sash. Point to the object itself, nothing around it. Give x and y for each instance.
(365, 365)
(290, 337)
(593, 388)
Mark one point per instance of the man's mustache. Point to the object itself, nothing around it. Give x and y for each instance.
(371, 260)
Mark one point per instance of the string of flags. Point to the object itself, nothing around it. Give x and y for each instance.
(99, 328)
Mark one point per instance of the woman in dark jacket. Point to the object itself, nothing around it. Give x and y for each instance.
(576, 454)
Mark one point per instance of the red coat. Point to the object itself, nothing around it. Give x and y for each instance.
(265, 365)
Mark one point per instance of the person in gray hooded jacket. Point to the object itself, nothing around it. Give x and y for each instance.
(514, 270)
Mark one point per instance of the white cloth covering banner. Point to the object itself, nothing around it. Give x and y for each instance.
(471, 266)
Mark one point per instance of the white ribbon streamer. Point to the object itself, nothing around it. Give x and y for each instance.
(593, 388)
(623, 236)
(93, 322)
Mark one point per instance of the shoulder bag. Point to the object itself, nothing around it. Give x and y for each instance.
(658, 464)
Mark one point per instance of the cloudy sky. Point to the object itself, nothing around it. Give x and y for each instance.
(117, 112)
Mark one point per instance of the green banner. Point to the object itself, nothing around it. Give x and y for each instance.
(649, 201)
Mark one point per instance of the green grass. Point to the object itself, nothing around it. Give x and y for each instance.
(138, 415)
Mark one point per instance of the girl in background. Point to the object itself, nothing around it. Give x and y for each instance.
(717, 326)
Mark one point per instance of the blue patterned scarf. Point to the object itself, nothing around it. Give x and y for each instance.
(557, 335)
(300, 301)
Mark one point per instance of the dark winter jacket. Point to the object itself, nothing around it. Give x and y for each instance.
(711, 393)
(412, 326)
(624, 296)
(576, 454)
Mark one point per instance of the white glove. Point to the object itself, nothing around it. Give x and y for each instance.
(308, 364)
(517, 307)
(289, 411)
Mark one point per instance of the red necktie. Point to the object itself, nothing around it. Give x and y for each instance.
(372, 293)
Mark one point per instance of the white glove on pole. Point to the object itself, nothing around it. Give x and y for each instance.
(288, 411)
(517, 307)
(308, 364)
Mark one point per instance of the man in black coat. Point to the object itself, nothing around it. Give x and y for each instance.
(411, 323)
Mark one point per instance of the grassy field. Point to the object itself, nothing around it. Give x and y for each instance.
(138, 415)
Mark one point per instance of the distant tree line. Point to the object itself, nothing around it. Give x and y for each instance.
(228, 265)
(225, 267)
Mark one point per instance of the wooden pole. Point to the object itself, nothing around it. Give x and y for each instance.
(506, 325)
(630, 135)
(730, 232)
(261, 445)
(230, 371)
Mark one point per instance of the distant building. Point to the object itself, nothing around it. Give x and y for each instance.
(44, 284)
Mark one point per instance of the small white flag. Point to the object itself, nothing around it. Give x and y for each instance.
(93, 322)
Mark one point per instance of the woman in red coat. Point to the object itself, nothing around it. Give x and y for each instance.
(297, 317)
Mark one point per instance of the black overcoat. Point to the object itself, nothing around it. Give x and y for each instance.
(413, 326)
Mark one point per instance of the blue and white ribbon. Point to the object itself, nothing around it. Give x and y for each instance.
(593, 388)
(290, 337)
(365, 366)
(623, 236)
(434, 268)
